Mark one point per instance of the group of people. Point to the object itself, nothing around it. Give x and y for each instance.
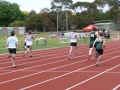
(96, 41)
(13, 45)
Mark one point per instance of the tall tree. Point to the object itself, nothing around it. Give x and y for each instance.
(17, 24)
(58, 5)
(32, 12)
(100, 3)
(45, 10)
(34, 22)
(9, 12)
(48, 24)
(25, 14)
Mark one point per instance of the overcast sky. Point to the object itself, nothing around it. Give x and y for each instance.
(28, 5)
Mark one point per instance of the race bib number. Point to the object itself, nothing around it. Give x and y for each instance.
(92, 35)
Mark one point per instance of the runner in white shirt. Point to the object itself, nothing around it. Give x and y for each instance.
(9, 53)
(12, 44)
(25, 47)
(74, 36)
(28, 38)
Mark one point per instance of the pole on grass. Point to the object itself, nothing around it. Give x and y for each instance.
(57, 22)
(66, 23)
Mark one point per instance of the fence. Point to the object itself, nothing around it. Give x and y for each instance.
(41, 41)
(64, 40)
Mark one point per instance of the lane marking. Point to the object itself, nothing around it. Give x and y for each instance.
(117, 87)
(93, 77)
(51, 58)
(66, 74)
(52, 63)
(60, 71)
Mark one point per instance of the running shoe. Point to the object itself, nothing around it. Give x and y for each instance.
(8, 56)
(30, 55)
(69, 57)
(89, 57)
(97, 64)
(24, 54)
(14, 66)
(76, 53)
(96, 55)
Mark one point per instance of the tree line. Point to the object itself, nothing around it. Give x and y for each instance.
(79, 15)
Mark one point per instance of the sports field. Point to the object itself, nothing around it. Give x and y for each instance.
(51, 42)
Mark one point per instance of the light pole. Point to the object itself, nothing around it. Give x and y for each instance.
(66, 22)
(57, 22)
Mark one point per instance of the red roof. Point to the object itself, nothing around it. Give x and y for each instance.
(89, 28)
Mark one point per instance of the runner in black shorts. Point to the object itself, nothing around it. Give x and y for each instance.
(28, 42)
(12, 44)
(74, 36)
(29, 46)
(12, 50)
(99, 47)
(73, 44)
(93, 36)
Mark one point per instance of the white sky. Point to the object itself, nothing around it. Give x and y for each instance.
(28, 5)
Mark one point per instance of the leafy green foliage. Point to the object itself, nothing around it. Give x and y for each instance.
(17, 24)
(86, 13)
(9, 12)
(58, 5)
(34, 22)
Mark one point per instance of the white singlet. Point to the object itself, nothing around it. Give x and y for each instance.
(29, 40)
(73, 37)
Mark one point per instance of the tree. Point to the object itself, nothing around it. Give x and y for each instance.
(25, 14)
(45, 10)
(34, 22)
(9, 12)
(48, 24)
(17, 24)
(100, 3)
(32, 12)
(58, 5)
(76, 22)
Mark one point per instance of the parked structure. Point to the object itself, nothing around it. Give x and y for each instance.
(7, 30)
(110, 25)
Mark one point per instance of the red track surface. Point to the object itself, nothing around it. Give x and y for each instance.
(50, 69)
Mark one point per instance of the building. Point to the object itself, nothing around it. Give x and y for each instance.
(7, 30)
(110, 25)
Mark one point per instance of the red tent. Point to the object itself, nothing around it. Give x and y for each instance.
(89, 28)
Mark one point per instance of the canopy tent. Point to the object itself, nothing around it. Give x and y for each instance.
(89, 28)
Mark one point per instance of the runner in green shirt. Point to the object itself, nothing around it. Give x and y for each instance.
(93, 36)
(99, 47)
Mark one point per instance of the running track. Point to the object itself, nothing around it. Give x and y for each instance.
(51, 70)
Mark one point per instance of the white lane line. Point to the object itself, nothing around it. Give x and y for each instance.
(46, 50)
(47, 59)
(54, 51)
(49, 64)
(93, 77)
(25, 63)
(41, 65)
(41, 56)
(60, 71)
(55, 62)
(116, 87)
(36, 53)
(65, 74)
(80, 45)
